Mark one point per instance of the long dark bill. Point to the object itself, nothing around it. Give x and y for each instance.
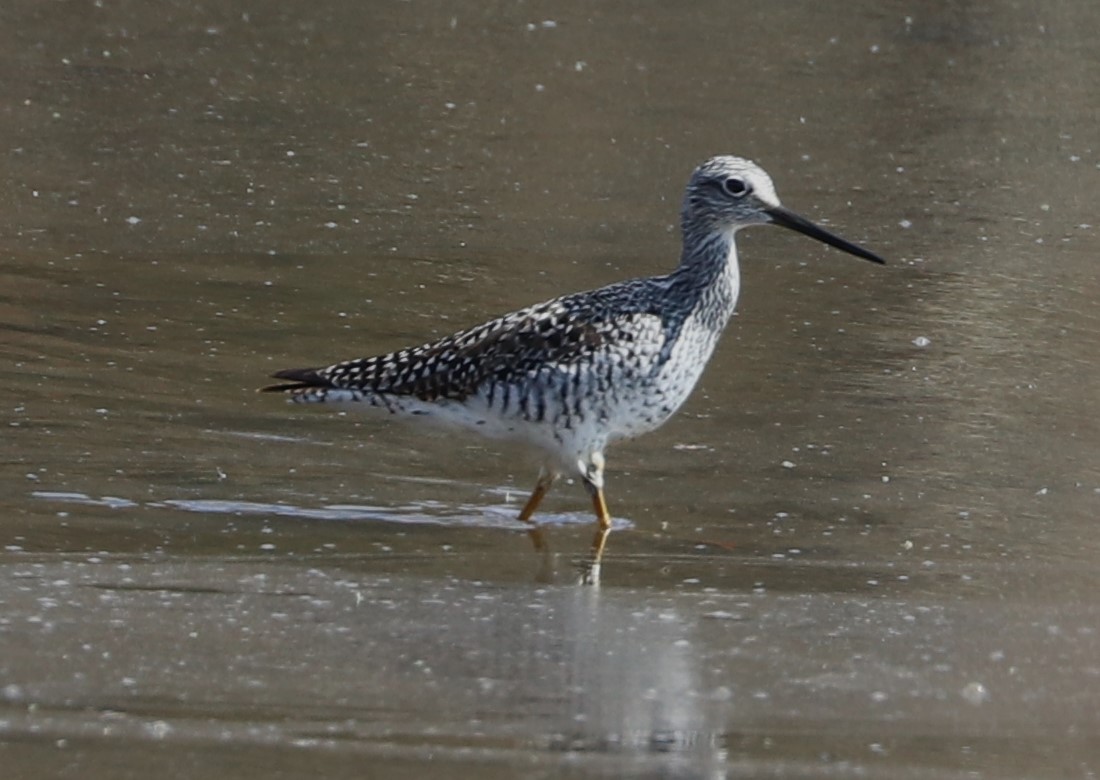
(788, 219)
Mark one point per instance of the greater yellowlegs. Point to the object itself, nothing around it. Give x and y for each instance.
(572, 375)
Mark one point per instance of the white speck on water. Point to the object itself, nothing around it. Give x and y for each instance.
(874, 48)
(721, 614)
(922, 341)
(1042, 491)
(905, 224)
(787, 464)
(579, 65)
(134, 220)
(975, 693)
(158, 729)
(885, 479)
(330, 225)
(721, 693)
(879, 696)
(540, 88)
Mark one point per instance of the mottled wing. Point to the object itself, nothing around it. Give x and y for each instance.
(554, 334)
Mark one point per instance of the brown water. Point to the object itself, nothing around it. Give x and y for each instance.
(866, 547)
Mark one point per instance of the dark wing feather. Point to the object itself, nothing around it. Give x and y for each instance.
(300, 379)
(558, 332)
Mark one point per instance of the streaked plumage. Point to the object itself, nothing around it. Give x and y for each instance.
(574, 374)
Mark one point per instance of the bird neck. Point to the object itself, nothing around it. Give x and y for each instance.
(708, 277)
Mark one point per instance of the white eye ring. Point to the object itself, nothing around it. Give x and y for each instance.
(735, 187)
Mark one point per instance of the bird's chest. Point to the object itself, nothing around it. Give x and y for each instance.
(644, 400)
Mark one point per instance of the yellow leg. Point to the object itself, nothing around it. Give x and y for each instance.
(590, 569)
(599, 506)
(593, 481)
(542, 487)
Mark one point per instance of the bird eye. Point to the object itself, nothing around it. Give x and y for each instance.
(735, 187)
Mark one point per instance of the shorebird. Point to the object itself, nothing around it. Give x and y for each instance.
(572, 375)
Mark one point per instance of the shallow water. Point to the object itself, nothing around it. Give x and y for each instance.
(866, 547)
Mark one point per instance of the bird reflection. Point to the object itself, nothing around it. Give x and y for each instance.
(587, 569)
